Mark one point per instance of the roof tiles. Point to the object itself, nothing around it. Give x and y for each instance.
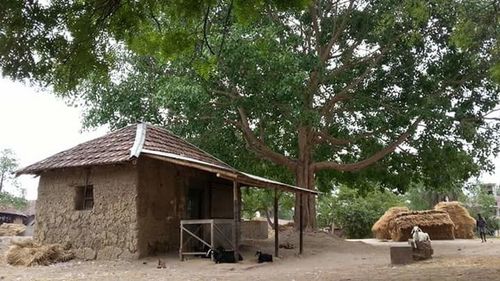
(115, 148)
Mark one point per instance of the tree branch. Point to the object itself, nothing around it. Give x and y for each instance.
(336, 35)
(205, 24)
(320, 137)
(345, 94)
(258, 146)
(315, 26)
(351, 167)
(226, 28)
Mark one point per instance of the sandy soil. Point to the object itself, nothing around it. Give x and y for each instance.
(326, 258)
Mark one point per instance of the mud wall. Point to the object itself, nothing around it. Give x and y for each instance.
(221, 201)
(160, 206)
(163, 200)
(254, 229)
(108, 230)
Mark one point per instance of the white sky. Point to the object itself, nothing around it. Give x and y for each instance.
(37, 125)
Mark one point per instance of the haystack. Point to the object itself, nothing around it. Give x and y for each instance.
(11, 229)
(381, 228)
(29, 253)
(437, 224)
(464, 223)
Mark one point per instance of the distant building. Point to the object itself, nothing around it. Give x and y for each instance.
(12, 216)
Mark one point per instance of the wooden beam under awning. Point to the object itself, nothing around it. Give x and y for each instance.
(250, 180)
(229, 174)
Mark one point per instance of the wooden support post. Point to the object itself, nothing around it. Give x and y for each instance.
(236, 217)
(212, 240)
(276, 223)
(181, 257)
(301, 226)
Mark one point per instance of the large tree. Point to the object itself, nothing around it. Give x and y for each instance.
(394, 91)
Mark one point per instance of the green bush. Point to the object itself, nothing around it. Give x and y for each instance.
(353, 212)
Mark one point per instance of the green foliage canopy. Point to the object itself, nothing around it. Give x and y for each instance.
(395, 91)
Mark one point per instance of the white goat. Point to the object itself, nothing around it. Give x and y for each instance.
(418, 235)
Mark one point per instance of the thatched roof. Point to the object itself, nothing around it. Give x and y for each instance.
(464, 223)
(131, 142)
(422, 219)
(436, 223)
(381, 228)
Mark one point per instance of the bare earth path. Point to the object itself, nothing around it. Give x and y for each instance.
(325, 258)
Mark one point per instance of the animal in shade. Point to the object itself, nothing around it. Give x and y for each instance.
(222, 256)
(262, 257)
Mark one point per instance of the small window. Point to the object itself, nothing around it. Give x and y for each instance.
(84, 197)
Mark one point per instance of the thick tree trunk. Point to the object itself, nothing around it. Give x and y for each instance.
(304, 177)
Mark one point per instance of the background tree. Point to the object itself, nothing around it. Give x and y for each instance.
(421, 198)
(354, 212)
(8, 165)
(355, 91)
(9, 201)
(481, 200)
(262, 201)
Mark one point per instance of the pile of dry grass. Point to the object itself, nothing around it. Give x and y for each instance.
(464, 223)
(29, 253)
(11, 229)
(437, 224)
(381, 228)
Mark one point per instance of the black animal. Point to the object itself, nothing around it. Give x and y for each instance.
(222, 256)
(263, 257)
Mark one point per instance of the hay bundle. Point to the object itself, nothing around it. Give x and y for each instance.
(464, 223)
(381, 228)
(11, 229)
(28, 253)
(437, 224)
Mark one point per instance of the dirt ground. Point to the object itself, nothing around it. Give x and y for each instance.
(326, 258)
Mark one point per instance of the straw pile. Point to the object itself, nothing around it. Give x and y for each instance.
(29, 253)
(11, 229)
(437, 224)
(381, 228)
(464, 223)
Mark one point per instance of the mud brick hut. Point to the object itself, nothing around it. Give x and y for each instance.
(129, 193)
